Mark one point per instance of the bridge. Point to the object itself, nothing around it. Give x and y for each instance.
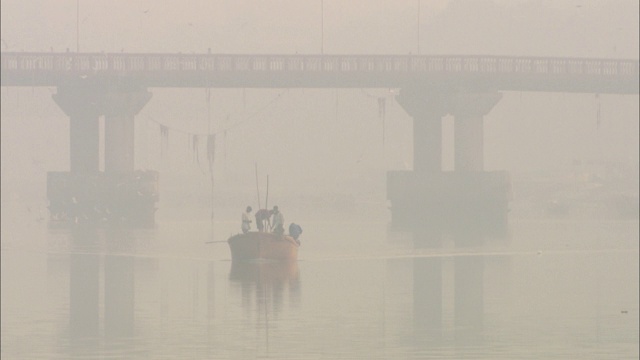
(317, 71)
(115, 85)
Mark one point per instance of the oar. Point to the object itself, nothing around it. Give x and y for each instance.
(212, 242)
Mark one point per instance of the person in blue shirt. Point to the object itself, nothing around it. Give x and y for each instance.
(295, 230)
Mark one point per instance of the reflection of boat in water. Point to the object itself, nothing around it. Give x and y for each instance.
(263, 245)
(272, 272)
(266, 286)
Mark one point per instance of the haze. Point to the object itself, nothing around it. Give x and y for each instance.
(327, 153)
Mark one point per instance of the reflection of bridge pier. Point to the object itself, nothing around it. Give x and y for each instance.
(85, 193)
(119, 281)
(84, 285)
(428, 284)
(469, 283)
(429, 193)
(84, 293)
(469, 296)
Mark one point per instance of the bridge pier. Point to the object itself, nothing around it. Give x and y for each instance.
(137, 200)
(469, 112)
(82, 107)
(120, 192)
(426, 107)
(429, 194)
(120, 110)
(488, 206)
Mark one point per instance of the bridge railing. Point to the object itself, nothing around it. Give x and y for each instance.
(88, 64)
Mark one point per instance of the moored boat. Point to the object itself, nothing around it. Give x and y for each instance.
(257, 245)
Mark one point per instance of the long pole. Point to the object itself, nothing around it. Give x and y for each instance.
(258, 187)
(266, 201)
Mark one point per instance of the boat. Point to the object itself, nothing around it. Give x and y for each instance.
(257, 245)
(263, 245)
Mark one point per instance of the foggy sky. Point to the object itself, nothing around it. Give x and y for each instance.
(323, 140)
(581, 28)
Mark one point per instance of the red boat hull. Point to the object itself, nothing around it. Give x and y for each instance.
(263, 245)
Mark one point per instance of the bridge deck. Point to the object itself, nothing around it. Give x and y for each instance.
(317, 71)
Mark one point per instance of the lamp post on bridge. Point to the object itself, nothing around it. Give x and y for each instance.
(78, 26)
(321, 26)
(419, 1)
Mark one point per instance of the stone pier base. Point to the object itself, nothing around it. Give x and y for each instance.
(98, 196)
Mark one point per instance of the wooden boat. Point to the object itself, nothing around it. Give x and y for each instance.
(256, 245)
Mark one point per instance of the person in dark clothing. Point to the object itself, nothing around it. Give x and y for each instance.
(295, 230)
(262, 217)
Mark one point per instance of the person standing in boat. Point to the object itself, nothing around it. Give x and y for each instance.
(278, 221)
(246, 221)
(295, 230)
(262, 217)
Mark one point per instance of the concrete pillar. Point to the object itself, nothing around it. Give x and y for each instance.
(120, 109)
(469, 110)
(427, 144)
(427, 107)
(83, 106)
(469, 144)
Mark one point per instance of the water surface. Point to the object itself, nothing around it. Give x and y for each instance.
(548, 290)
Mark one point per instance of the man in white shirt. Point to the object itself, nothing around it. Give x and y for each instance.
(246, 221)
(278, 221)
